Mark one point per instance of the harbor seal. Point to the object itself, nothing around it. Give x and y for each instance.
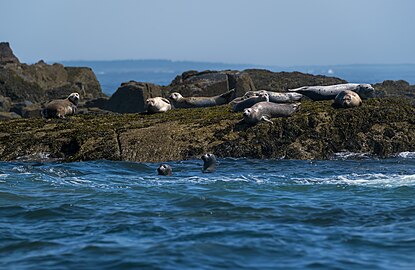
(209, 163)
(365, 91)
(347, 99)
(239, 106)
(60, 107)
(164, 169)
(276, 97)
(157, 105)
(267, 110)
(179, 101)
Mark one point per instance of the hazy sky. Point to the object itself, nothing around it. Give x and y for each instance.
(267, 32)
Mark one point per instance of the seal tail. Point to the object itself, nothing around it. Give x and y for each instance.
(229, 96)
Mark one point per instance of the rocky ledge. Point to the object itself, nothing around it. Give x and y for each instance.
(381, 127)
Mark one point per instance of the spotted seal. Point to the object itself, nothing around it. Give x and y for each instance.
(267, 110)
(209, 163)
(365, 91)
(276, 97)
(179, 101)
(239, 106)
(164, 169)
(157, 105)
(59, 108)
(347, 99)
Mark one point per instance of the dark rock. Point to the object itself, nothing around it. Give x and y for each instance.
(282, 81)
(9, 116)
(391, 88)
(211, 83)
(32, 111)
(6, 54)
(27, 109)
(241, 82)
(130, 97)
(200, 84)
(42, 82)
(18, 107)
(5, 104)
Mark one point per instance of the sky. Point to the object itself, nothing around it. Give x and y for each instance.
(262, 32)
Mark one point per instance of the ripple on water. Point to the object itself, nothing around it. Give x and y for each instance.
(248, 214)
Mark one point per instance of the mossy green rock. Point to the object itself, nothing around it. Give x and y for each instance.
(381, 127)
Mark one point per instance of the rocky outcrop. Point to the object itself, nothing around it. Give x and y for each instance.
(6, 54)
(381, 127)
(282, 81)
(211, 83)
(130, 97)
(391, 88)
(41, 82)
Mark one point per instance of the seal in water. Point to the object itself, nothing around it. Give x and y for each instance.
(267, 110)
(158, 105)
(179, 101)
(347, 99)
(276, 97)
(60, 107)
(209, 163)
(239, 106)
(164, 169)
(365, 91)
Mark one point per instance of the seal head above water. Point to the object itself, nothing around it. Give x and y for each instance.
(164, 169)
(209, 163)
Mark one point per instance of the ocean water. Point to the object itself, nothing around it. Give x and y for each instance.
(351, 212)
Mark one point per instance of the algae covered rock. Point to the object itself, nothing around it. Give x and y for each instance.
(391, 88)
(380, 127)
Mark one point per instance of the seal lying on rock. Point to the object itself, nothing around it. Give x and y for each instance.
(267, 110)
(276, 97)
(60, 107)
(347, 99)
(365, 91)
(209, 163)
(239, 106)
(164, 169)
(157, 105)
(179, 101)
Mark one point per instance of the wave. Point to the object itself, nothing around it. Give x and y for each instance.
(371, 180)
(406, 155)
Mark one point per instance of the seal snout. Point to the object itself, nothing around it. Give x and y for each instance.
(246, 112)
(74, 98)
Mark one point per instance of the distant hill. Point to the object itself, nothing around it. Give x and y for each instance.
(111, 73)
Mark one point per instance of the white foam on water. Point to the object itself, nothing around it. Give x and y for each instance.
(351, 155)
(406, 155)
(372, 180)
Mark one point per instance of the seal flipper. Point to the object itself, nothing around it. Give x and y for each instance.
(266, 119)
(228, 96)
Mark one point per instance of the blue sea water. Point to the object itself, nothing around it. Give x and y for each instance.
(250, 214)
